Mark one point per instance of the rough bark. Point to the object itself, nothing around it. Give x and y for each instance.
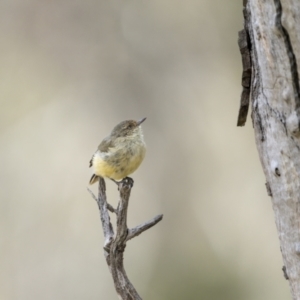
(114, 245)
(273, 28)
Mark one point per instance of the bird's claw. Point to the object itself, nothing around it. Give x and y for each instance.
(126, 180)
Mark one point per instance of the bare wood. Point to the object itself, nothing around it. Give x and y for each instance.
(114, 246)
(133, 232)
(108, 231)
(244, 45)
(274, 31)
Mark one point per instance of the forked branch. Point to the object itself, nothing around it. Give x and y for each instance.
(114, 245)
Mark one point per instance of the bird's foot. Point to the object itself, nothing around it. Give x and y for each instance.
(126, 180)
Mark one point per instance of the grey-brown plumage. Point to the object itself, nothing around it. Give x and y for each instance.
(121, 153)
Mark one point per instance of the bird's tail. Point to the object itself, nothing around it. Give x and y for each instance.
(94, 179)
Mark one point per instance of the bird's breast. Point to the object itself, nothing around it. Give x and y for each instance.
(118, 162)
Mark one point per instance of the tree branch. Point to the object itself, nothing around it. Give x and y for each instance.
(133, 232)
(114, 246)
(104, 215)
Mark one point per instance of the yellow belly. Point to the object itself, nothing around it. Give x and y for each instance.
(119, 168)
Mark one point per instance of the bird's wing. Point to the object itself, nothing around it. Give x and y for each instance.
(106, 144)
(91, 161)
(103, 147)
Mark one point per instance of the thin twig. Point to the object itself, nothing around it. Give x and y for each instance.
(133, 232)
(109, 206)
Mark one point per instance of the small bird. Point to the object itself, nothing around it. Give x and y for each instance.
(120, 153)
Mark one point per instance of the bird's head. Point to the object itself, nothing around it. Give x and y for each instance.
(128, 128)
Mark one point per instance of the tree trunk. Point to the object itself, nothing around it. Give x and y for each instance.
(272, 30)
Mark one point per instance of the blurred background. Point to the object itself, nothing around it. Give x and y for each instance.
(70, 71)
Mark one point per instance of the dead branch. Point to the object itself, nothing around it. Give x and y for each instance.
(114, 245)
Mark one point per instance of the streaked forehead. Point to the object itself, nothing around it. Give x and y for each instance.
(124, 124)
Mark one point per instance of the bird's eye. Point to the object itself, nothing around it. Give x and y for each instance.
(130, 126)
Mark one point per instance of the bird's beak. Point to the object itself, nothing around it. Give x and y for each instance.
(141, 121)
